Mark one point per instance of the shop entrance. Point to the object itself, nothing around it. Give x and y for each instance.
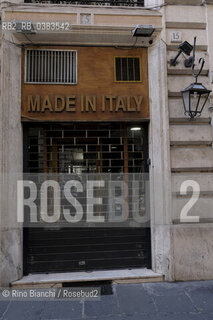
(84, 148)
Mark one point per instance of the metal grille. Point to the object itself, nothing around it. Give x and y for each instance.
(87, 148)
(80, 148)
(51, 66)
(127, 69)
(129, 3)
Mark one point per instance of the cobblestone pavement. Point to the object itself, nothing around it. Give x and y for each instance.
(147, 301)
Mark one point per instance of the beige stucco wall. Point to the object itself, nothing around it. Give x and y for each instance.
(191, 145)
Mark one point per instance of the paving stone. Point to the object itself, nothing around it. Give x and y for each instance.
(164, 289)
(134, 298)
(107, 306)
(202, 298)
(174, 316)
(3, 307)
(176, 288)
(190, 285)
(62, 310)
(24, 310)
(159, 316)
(125, 317)
(206, 316)
(172, 304)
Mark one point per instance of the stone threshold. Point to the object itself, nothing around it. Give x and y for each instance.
(56, 280)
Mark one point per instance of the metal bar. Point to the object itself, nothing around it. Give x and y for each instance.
(133, 64)
(127, 68)
(32, 65)
(28, 65)
(51, 67)
(55, 68)
(61, 58)
(122, 77)
(58, 69)
(68, 55)
(36, 65)
(42, 64)
(45, 66)
(75, 69)
(71, 67)
(39, 65)
(49, 63)
(64, 58)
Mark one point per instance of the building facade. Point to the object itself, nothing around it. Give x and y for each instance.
(76, 94)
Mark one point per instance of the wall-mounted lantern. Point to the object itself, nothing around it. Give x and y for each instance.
(196, 95)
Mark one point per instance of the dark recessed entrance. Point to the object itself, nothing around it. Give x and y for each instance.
(82, 148)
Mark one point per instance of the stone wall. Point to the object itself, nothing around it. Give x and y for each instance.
(190, 143)
(10, 161)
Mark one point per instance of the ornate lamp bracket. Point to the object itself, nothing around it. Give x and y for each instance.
(201, 61)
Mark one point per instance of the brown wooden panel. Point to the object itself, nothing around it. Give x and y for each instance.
(96, 83)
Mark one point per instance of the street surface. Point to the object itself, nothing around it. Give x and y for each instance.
(147, 301)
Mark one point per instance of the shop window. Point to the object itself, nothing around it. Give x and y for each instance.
(127, 69)
(87, 148)
(51, 66)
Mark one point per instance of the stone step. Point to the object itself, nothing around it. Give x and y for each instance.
(56, 280)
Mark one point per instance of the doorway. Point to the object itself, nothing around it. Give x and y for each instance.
(86, 148)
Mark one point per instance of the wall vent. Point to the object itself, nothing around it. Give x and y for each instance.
(51, 66)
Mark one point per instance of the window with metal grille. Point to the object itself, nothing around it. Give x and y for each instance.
(51, 66)
(127, 69)
(87, 148)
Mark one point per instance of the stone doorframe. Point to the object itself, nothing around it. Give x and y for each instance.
(160, 168)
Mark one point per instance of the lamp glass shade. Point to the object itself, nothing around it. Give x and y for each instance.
(186, 100)
(194, 99)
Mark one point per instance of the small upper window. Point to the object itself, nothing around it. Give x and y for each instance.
(51, 66)
(128, 69)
